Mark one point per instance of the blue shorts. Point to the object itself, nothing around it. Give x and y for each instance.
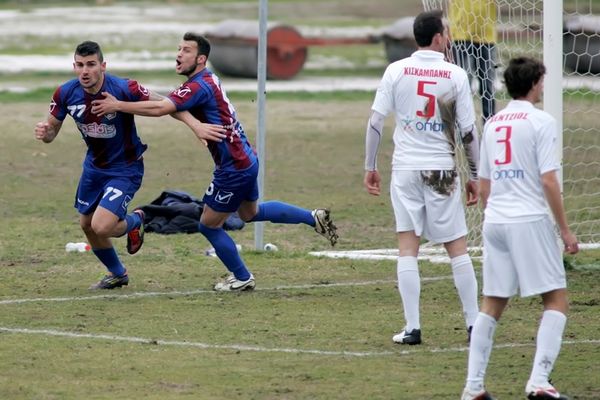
(229, 188)
(112, 189)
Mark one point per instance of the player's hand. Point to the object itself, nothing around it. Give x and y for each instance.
(372, 182)
(108, 105)
(42, 131)
(209, 132)
(472, 192)
(570, 241)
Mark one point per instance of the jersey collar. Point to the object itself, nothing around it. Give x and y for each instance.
(429, 55)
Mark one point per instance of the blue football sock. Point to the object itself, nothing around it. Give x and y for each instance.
(283, 213)
(109, 258)
(226, 251)
(133, 220)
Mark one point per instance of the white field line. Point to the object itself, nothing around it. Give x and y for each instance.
(206, 291)
(432, 253)
(241, 347)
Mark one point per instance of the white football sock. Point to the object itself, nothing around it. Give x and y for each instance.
(549, 340)
(482, 339)
(409, 286)
(466, 285)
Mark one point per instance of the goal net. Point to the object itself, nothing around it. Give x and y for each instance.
(519, 31)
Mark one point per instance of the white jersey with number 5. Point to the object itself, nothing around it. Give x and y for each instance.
(518, 146)
(427, 94)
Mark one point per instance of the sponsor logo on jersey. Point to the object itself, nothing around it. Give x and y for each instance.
(143, 90)
(52, 106)
(508, 174)
(95, 130)
(110, 116)
(429, 126)
(183, 91)
(422, 126)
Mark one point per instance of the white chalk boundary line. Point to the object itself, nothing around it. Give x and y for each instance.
(241, 347)
(207, 291)
(432, 252)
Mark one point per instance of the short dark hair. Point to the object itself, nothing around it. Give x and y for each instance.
(522, 74)
(203, 44)
(427, 25)
(89, 48)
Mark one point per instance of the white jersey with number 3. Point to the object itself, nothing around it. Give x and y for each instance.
(420, 89)
(518, 146)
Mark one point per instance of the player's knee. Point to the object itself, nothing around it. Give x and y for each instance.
(86, 226)
(246, 216)
(248, 211)
(102, 228)
(556, 300)
(207, 230)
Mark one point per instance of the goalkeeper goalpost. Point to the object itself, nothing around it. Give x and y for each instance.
(567, 40)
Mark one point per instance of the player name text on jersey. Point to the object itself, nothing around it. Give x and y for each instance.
(509, 116)
(428, 72)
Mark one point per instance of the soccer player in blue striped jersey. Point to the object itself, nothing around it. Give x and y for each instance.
(113, 166)
(234, 184)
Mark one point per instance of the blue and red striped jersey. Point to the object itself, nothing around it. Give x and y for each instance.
(112, 140)
(204, 98)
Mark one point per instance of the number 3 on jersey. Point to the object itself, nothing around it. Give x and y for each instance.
(429, 110)
(507, 131)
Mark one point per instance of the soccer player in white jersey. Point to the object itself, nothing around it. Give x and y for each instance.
(430, 99)
(518, 182)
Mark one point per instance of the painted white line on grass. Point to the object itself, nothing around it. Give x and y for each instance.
(431, 252)
(207, 291)
(241, 347)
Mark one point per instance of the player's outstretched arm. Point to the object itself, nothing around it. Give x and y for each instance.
(47, 130)
(151, 108)
(204, 132)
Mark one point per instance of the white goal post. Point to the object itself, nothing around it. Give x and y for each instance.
(567, 39)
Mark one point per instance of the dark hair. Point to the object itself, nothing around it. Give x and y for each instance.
(89, 48)
(203, 44)
(522, 74)
(426, 26)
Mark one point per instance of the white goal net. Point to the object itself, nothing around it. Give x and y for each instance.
(519, 31)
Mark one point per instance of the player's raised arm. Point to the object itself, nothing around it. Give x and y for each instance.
(47, 130)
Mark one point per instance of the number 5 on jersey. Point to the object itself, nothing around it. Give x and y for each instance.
(429, 110)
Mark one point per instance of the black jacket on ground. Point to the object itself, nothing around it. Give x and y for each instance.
(179, 212)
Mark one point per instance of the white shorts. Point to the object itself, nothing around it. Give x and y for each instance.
(433, 210)
(524, 256)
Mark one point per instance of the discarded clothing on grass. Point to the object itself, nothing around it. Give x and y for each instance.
(179, 212)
